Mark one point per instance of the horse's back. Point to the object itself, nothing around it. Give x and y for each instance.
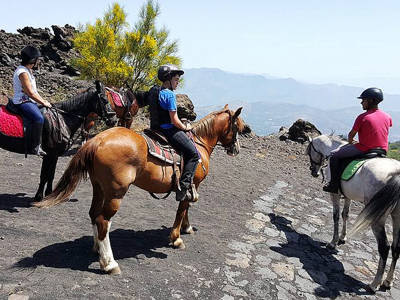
(370, 178)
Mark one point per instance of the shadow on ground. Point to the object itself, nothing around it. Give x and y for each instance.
(78, 255)
(11, 202)
(318, 262)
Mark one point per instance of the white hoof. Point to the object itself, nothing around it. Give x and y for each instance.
(189, 230)
(178, 243)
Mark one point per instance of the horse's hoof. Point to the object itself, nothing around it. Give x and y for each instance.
(330, 246)
(189, 230)
(114, 271)
(37, 198)
(386, 285)
(178, 243)
(341, 242)
(370, 289)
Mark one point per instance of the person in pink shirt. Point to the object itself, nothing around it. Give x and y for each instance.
(372, 128)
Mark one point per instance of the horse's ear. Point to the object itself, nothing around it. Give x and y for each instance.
(226, 107)
(237, 112)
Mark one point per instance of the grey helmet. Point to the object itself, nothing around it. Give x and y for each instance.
(375, 94)
(166, 72)
(30, 54)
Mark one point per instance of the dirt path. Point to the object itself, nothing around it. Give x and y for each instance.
(260, 223)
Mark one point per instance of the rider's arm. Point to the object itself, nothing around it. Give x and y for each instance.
(351, 135)
(177, 122)
(27, 87)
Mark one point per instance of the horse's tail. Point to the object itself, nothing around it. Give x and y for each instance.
(77, 169)
(381, 204)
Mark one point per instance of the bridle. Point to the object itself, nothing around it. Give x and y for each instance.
(229, 147)
(314, 163)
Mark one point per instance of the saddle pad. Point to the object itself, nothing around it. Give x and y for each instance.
(165, 154)
(11, 124)
(116, 97)
(352, 168)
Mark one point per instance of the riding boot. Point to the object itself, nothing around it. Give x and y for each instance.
(333, 185)
(36, 140)
(183, 193)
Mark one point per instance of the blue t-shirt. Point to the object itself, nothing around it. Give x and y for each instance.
(168, 102)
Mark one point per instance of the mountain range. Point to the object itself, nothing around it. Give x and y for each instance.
(270, 103)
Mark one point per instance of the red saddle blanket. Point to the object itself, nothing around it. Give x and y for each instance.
(163, 152)
(10, 124)
(116, 97)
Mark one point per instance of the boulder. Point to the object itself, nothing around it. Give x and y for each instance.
(301, 131)
(185, 107)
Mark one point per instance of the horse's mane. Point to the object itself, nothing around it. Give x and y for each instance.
(76, 101)
(205, 126)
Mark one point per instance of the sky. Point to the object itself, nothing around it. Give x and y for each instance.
(349, 42)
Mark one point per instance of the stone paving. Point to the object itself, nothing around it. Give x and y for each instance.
(284, 251)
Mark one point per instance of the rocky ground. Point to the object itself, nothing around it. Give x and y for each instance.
(261, 221)
(261, 224)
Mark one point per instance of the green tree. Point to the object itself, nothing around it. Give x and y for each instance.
(116, 56)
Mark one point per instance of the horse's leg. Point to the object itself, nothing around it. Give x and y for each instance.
(395, 247)
(50, 174)
(335, 198)
(176, 229)
(383, 248)
(43, 177)
(186, 227)
(103, 226)
(345, 217)
(95, 210)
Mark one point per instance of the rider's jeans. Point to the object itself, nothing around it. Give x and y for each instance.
(183, 144)
(31, 111)
(348, 150)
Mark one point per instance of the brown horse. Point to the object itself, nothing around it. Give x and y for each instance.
(118, 157)
(124, 113)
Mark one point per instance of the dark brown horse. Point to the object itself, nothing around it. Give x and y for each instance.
(73, 112)
(124, 111)
(118, 157)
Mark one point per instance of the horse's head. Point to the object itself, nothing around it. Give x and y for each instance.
(232, 127)
(102, 106)
(316, 155)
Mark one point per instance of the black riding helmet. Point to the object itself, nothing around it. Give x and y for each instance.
(30, 54)
(375, 94)
(166, 72)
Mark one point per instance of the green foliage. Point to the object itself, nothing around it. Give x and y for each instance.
(394, 150)
(111, 53)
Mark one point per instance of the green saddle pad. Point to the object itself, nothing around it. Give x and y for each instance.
(352, 168)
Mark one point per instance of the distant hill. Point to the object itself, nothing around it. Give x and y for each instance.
(270, 103)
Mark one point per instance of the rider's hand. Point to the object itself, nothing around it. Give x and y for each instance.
(47, 104)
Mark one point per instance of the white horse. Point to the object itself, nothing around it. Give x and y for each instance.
(377, 184)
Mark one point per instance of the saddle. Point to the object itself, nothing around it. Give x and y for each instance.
(160, 148)
(349, 166)
(14, 129)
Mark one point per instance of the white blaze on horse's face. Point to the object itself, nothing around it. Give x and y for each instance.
(234, 150)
